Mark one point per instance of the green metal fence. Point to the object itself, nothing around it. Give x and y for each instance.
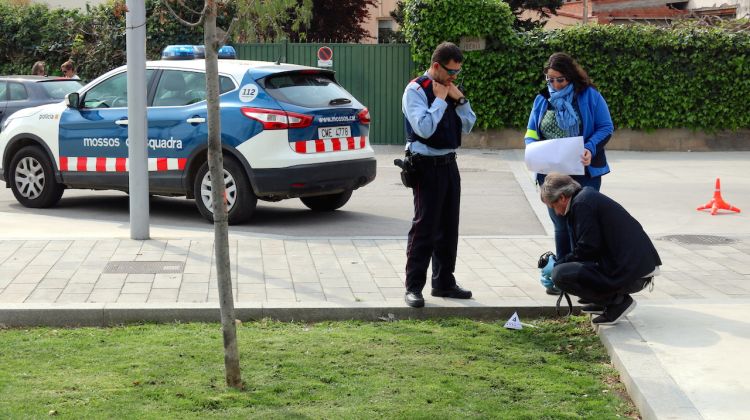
(375, 74)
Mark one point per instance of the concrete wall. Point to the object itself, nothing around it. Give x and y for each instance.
(681, 140)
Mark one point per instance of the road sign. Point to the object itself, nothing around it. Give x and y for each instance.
(325, 57)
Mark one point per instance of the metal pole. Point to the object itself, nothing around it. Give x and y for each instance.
(135, 35)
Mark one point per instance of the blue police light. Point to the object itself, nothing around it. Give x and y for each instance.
(227, 51)
(200, 51)
(178, 52)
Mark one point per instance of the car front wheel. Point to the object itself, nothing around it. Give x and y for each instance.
(241, 201)
(328, 202)
(32, 179)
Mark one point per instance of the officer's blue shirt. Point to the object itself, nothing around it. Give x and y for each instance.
(424, 119)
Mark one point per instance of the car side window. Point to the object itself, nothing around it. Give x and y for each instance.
(17, 92)
(3, 88)
(225, 85)
(111, 93)
(174, 90)
(180, 88)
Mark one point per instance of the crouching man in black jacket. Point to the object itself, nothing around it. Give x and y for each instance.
(612, 256)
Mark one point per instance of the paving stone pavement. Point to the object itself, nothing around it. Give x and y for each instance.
(499, 270)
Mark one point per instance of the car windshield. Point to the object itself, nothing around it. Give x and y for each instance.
(311, 90)
(57, 89)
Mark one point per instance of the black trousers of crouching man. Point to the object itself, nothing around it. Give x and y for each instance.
(585, 280)
(434, 229)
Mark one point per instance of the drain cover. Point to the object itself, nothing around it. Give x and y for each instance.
(144, 267)
(699, 239)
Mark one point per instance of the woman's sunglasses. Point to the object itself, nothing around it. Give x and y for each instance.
(556, 79)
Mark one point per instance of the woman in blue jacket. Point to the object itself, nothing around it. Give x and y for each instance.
(570, 106)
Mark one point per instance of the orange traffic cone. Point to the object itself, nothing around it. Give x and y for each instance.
(717, 202)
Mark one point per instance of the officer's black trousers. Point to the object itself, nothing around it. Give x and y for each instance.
(434, 230)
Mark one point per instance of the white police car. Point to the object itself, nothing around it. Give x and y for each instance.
(288, 131)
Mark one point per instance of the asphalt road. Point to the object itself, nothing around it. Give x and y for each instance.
(493, 203)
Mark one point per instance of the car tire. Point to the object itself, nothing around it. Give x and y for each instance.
(32, 179)
(241, 200)
(328, 202)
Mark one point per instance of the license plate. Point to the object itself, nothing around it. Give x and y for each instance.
(334, 132)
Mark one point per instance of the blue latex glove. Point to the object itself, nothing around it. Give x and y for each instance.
(546, 277)
(546, 282)
(547, 270)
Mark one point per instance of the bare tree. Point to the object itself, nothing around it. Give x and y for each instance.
(271, 20)
(218, 193)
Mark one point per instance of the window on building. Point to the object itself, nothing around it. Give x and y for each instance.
(386, 32)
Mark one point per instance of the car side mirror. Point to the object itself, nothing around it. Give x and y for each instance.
(72, 100)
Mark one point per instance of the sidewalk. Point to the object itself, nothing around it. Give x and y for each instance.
(679, 352)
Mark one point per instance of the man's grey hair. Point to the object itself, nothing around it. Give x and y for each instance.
(556, 185)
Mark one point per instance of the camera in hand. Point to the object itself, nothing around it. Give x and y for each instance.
(544, 259)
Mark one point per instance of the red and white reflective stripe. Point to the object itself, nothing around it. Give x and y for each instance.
(106, 164)
(329, 145)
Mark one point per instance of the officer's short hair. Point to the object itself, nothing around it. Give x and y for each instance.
(556, 185)
(447, 51)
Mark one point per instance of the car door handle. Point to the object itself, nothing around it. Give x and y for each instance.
(121, 122)
(196, 120)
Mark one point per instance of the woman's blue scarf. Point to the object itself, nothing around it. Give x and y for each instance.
(565, 114)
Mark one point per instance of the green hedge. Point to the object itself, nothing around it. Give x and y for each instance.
(94, 39)
(688, 77)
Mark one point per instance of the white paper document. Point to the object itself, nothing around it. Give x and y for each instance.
(556, 155)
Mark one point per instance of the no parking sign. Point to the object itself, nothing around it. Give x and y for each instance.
(325, 57)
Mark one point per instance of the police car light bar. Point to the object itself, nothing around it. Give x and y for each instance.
(200, 51)
(178, 52)
(227, 52)
(191, 52)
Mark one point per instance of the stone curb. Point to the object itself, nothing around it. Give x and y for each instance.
(100, 315)
(652, 389)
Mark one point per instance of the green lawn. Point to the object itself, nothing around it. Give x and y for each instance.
(450, 368)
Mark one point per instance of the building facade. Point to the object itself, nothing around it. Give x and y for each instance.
(645, 11)
(380, 24)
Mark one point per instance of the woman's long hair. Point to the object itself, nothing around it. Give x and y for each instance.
(569, 68)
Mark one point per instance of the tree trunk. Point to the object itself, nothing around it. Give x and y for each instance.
(218, 197)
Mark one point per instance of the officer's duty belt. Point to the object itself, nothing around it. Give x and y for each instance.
(434, 160)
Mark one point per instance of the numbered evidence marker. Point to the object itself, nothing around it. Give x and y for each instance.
(514, 323)
(248, 92)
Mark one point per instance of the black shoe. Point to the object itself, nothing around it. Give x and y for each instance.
(593, 308)
(613, 313)
(414, 299)
(583, 301)
(455, 292)
(553, 291)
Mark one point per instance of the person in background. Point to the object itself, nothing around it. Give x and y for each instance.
(436, 113)
(612, 256)
(570, 106)
(39, 68)
(69, 70)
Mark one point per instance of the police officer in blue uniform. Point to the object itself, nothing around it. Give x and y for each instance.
(436, 113)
